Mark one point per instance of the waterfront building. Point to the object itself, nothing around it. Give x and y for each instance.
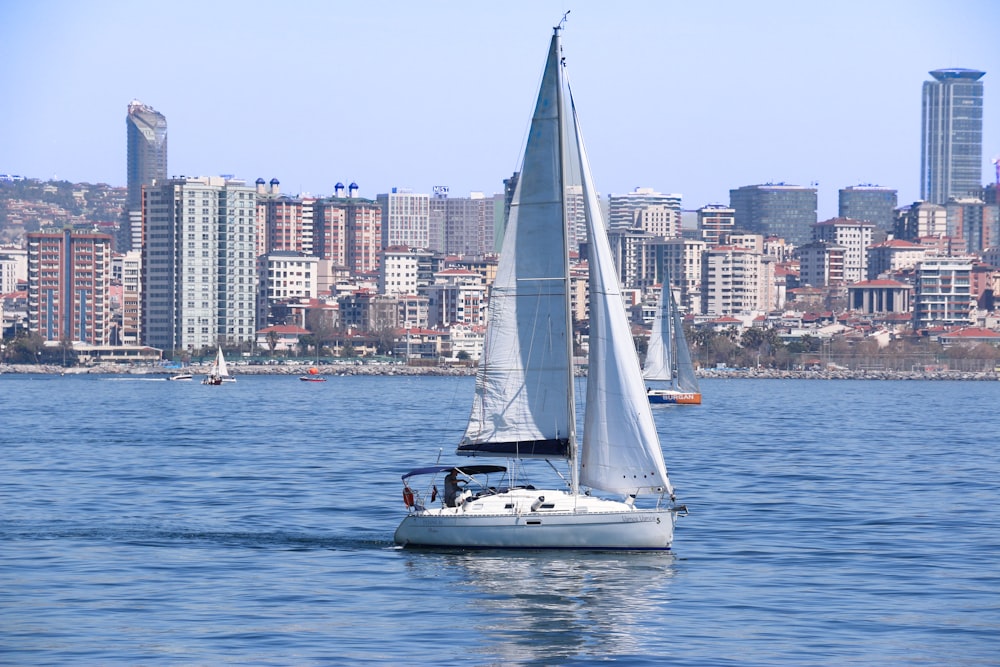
(579, 291)
(943, 293)
(576, 216)
(624, 210)
(991, 256)
(457, 296)
(871, 297)
(751, 242)
(869, 203)
(283, 277)
(972, 224)
(369, 312)
(284, 224)
(130, 332)
(735, 281)
(855, 237)
(486, 266)
(715, 222)
(776, 209)
(413, 311)
(468, 339)
(634, 256)
(680, 259)
(951, 149)
(660, 221)
(69, 284)
(893, 256)
(403, 270)
(348, 231)
(405, 219)
(146, 134)
(463, 225)
(921, 219)
(821, 264)
(13, 268)
(199, 264)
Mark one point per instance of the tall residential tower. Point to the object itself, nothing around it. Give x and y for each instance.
(147, 162)
(951, 152)
(199, 277)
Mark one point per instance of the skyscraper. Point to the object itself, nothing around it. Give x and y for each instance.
(951, 152)
(147, 161)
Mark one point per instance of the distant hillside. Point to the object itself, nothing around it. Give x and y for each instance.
(32, 205)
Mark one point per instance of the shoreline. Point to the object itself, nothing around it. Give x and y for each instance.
(394, 370)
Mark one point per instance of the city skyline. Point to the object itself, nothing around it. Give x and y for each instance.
(682, 99)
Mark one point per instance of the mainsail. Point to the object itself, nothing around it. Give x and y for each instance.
(523, 400)
(220, 365)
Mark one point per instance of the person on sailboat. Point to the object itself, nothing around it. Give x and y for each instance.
(452, 490)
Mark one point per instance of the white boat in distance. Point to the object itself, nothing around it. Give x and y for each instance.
(219, 372)
(524, 405)
(668, 359)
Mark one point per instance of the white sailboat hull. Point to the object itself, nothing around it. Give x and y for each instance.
(562, 521)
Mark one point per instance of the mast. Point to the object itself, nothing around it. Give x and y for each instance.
(563, 144)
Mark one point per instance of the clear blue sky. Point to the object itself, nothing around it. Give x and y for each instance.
(680, 96)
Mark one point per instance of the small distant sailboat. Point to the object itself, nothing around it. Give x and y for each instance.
(313, 376)
(668, 358)
(219, 372)
(524, 405)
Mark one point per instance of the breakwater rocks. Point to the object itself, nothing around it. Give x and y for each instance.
(333, 370)
(326, 370)
(844, 374)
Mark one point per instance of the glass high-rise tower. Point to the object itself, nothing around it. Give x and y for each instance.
(147, 162)
(951, 154)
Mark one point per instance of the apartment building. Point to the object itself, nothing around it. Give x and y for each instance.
(943, 293)
(199, 264)
(69, 283)
(855, 237)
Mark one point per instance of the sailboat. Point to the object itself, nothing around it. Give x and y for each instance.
(219, 372)
(524, 406)
(668, 358)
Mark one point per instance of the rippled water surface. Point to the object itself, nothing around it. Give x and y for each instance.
(161, 523)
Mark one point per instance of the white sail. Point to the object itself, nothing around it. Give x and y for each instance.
(523, 400)
(686, 378)
(659, 355)
(621, 449)
(220, 365)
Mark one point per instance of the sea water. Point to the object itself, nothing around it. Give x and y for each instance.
(169, 523)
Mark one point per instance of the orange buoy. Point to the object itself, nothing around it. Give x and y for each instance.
(408, 496)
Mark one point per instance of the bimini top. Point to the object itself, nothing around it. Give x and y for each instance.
(465, 470)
